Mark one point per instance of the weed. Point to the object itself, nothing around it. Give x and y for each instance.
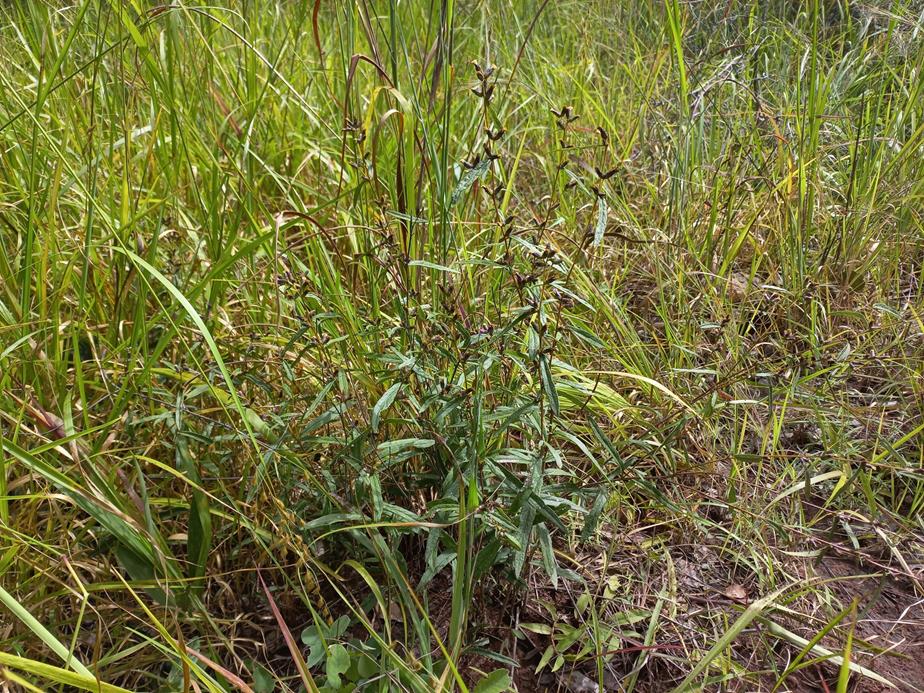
(461, 346)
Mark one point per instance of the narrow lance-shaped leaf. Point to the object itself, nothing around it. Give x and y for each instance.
(593, 516)
(600, 226)
(548, 554)
(843, 678)
(545, 373)
(50, 672)
(199, 541)
(525, 530)
(385, 401)
(468, 180)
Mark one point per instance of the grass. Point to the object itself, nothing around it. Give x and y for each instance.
(461, 346)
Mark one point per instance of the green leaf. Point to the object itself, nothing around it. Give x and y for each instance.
(263, 681)
(43, 633)
(486, 558)
(100, 509)
(203, 330)
(441, 562)
(568, 637)
(199, 532)
(546, 657)
(339, 627)
(540, 628)
(63, 676)
(525, 530)
(812, 647)
(256, 423)
(545, 372)
(593, 516)
(587, 336)
(607, 443)
(495, 682)
(367, 667)
(373, 485)
(468, 180)
(721, 645)
(310, 636)
(338, 663)
(433, 266)
(548, 555)
(390, 447)
(532, 343)
(382, 405)
(843, 678)
(316, 655)
(600, 227)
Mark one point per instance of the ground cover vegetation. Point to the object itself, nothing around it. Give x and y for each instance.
(461, 345)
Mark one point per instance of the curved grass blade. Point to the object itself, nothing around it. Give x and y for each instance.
(58, 675)
(204, 331)
(43, 634)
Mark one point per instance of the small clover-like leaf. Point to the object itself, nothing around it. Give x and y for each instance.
(338, 663)
(495, 682)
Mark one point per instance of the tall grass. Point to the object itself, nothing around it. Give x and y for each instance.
(456, 345)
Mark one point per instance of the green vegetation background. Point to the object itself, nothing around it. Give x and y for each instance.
(392, 344)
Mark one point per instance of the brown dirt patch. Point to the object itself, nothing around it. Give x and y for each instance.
(889, 624)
